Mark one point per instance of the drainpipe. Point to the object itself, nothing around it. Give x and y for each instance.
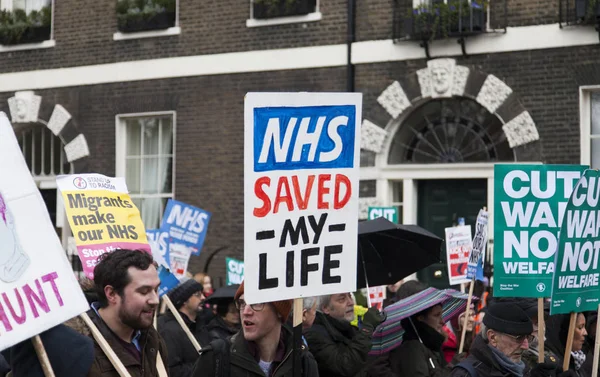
(350, 39)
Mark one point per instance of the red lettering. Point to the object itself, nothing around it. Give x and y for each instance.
(260, 194)
(323, 191)
(40, 298)
(339, 179)
(287, 198)
(4, 319)
(302, 201)
(49, 278)
(20, 319)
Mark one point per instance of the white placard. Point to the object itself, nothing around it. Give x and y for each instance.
(302, 159)
(38, 289)
(458, 248)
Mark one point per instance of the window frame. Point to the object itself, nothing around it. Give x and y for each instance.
(121, 148)
(50, 42)
(310, 17)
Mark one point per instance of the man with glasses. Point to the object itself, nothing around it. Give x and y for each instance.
(497, 351)
(187, 297)
(340, 348)
(262, 348)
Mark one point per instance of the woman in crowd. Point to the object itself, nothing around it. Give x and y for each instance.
(557, 332)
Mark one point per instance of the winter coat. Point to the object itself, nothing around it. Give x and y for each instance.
(75, 363)
(484, 362)
(339, 348)
(557, 331)
(417, 359)
(150, 342)
(4, 366)
(243, 363)
(182, 354)
(218, 329)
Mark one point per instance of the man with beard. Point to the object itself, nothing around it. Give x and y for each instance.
(339, 348)
(127, 284)
(187, 297)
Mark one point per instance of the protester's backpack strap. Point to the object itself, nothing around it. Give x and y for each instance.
(466, 365)
(221, 350)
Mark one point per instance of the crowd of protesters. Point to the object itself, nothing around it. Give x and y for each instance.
(241, 339)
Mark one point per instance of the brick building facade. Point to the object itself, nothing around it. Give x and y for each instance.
(523, 92)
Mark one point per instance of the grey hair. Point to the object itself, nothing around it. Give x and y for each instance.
(483, 331)
(323, 302)
(308, 302)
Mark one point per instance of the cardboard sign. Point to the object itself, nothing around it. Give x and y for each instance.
(159, 243)
(389, 213)
(186, 224)
(576, 286)
(477, 255)
(179, 258)
(458, 248)
(529, 204)
(377, 296)
(102, 216)
(38, 289)
(301, 194)
(235, 271)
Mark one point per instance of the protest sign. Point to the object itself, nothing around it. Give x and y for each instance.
(301, 194)
(235, 271)
(477, 255)
(389, 213)
(376, 296)
(168, 281)
(159, 243)
(102, 216)
(458, 248)
(186, 224)
(38, 289)
(179, 258)
(529, 203)
(576, 285)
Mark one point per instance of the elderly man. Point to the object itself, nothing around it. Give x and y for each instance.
(339, 348)
(497, 351)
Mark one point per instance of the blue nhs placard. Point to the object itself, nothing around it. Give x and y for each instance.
(186, 224)
(310, 137)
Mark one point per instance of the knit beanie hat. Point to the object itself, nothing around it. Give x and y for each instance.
(508, 318)
(283, 308)
(184, 291)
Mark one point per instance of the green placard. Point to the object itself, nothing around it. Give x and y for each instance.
(390, 213)
(235, 271)
(529, 202)
(576, 287)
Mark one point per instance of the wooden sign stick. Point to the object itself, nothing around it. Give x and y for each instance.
(596, 349)
(40, 350)
(541, 330)
(112, 356)
(467, 314)
(186, 329)
(297, 336)
(567, 359)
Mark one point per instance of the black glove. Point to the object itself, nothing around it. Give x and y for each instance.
(567, 373)
(544, 370)
(372, 319)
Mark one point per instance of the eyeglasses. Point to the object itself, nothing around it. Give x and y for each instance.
(241, 305)
(521, 338)
(197, 294)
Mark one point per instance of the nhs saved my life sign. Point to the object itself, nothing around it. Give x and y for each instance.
(576, 285)
(301, 194)
(529, 204)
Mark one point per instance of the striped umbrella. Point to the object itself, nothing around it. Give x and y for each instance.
(389, 334)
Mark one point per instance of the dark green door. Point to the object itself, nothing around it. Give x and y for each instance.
(441, 204)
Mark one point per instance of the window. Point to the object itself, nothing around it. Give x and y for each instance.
(273, 12)
(43, 152)
(145, 157)
(25, 21)
(397, 198)
(135, 16)
(367, 189)
(595, 131)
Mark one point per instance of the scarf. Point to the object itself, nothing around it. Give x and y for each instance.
(578, 358)
(516, 369)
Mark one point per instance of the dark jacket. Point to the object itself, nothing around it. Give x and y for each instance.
(339, 348)
(218, 329)
(414, 358)
(483, 360)
(242, 362)
(557, 331)
(182, 354)
(150, 342)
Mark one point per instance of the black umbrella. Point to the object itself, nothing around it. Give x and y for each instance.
(224, 293)
(389, 252)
